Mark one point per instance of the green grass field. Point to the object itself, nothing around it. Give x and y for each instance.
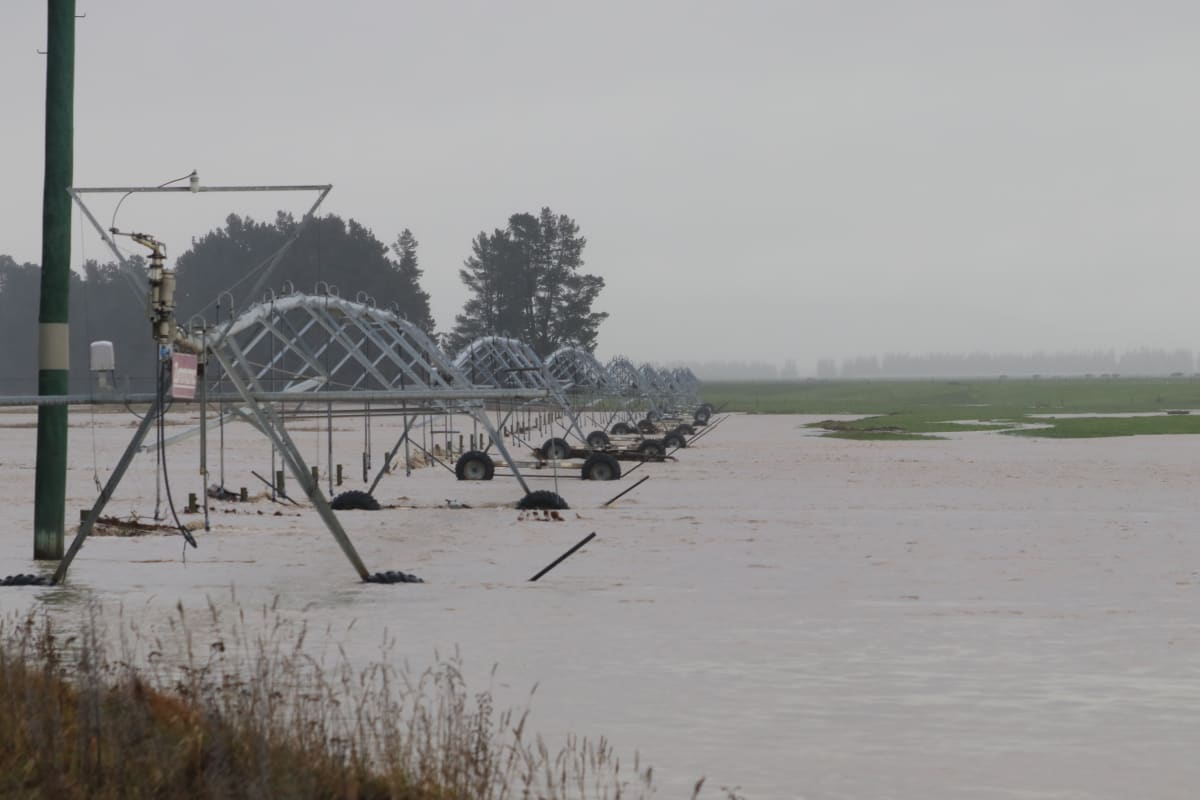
(919, 408)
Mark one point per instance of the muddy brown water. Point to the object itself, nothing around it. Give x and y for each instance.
(980, 617)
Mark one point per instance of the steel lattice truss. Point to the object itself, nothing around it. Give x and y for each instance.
(501, 362)
(683, 385)
(625, 378)
(577, 369)
(652, 379)
(322, 347)
(671, 388)
(301, 347)
(323, 344)
(626, 383)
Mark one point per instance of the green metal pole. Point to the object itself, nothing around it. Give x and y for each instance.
(50, 487)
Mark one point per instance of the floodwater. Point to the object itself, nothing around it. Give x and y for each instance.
(980, 617)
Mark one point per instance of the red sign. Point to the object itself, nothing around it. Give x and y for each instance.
(183, 376)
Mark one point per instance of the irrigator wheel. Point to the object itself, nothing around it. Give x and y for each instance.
(601, 467)
(621, 429)
(542, 498)
(686, 430)
(354, 500)
(652, 448)
(598, 439)
(475, 465)
(702, 415)
(555, 449)
(674, 440)
(646, 426)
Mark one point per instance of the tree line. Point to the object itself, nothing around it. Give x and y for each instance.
(524, 280)
(1143, 361)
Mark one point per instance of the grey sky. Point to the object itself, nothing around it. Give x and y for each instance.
(757, 180)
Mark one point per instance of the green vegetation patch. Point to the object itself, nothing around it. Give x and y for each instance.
(898, 408)
(1090, 427)
(969, 399)
(881, 436)
(942, 420)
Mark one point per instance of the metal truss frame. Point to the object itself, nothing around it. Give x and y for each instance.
(321, 348)
(502, 362)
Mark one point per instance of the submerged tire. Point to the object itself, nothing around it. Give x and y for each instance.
(475, 465)
(597, 439)
(354, 500)
(621, 429)
(674, 440)
(555, 449)
(652, 448)
(542, 498)
(601, 467)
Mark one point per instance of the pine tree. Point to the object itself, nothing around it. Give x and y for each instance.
(405, 249)
(525, 282)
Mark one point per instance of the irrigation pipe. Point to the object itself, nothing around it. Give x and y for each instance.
(708, 429)
(276, 489)
(644, 478)
(564, 556)
(435, 458)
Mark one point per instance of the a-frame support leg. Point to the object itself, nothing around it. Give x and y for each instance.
(85, 528)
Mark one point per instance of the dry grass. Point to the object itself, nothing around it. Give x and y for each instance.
(256, 716)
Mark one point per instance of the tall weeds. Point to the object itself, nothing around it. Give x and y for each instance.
(251, 713)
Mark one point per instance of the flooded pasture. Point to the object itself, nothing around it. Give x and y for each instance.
(985, 616)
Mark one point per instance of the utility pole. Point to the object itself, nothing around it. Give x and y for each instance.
(54, 352)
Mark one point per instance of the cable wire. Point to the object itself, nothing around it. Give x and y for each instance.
(162, 455)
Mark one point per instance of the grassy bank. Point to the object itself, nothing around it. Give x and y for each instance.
(256, 717)
(919, 408)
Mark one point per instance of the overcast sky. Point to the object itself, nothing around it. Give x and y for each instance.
(756, 180)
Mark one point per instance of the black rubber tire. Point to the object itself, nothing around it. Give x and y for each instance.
(702, 415)
(354, 500)
(542, 498)
(393, 576)
(674, 440)
(598, 439)
(646, 426)
(601, 467)
(475, 465)
(555, 449)
(653, 448)
(653, 416)
(25, 580)
(621, 429)
(686, 430)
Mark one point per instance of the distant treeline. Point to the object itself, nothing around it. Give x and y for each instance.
(740, 370)
(1144, 361)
